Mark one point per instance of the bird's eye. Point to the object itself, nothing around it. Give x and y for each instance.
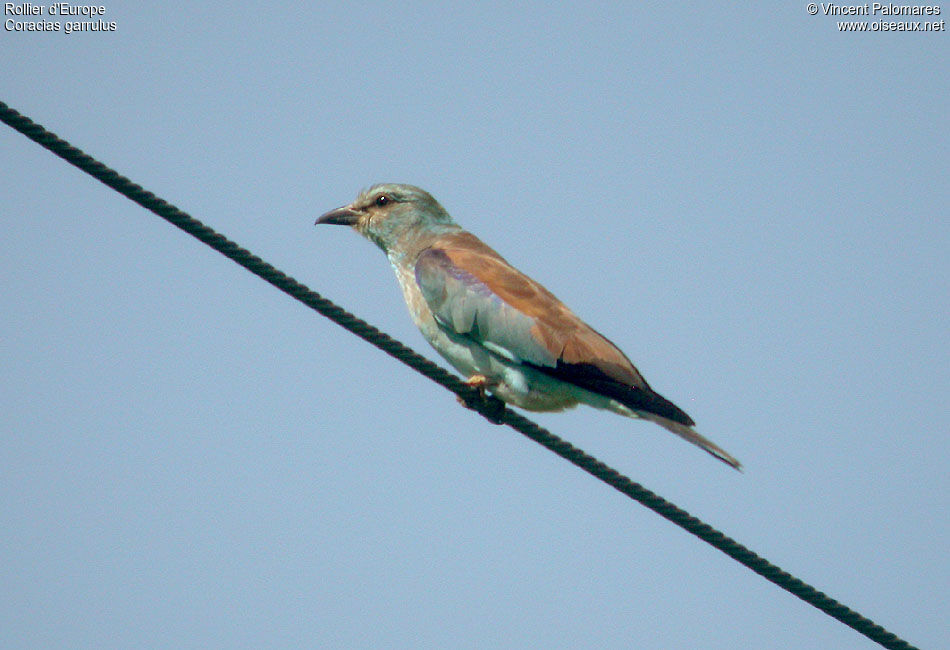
(382, 200)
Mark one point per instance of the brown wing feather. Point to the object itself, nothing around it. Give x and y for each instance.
(585, 357)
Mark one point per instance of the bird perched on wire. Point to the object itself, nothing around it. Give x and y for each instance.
(501, 329)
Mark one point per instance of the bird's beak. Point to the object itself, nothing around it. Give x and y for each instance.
(345, 216)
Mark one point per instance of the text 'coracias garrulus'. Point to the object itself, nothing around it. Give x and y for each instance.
(504, 331)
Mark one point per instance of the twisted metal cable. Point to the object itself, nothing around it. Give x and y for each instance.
(491, 408)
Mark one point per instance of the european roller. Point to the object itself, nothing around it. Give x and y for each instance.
(502, 330)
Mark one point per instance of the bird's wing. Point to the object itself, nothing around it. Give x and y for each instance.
(472, 291)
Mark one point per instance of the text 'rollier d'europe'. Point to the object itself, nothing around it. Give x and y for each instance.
(29, 10)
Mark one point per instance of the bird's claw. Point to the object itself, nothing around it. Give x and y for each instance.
(481, 382)
(480, 401)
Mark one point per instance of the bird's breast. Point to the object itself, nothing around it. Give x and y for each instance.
(412, 294)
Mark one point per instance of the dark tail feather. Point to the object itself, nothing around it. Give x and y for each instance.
(690, 434)
(638, 399)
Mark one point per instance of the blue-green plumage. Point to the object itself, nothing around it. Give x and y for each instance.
(496, 325)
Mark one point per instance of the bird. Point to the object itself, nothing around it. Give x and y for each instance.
(498, 327)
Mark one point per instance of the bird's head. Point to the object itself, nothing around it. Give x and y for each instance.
(393, 216)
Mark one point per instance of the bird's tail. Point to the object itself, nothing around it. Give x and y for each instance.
(690, 434)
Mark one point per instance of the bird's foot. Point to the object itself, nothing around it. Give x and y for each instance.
(488, 405)
(481, 382)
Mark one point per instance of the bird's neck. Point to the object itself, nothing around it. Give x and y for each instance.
(410, 244)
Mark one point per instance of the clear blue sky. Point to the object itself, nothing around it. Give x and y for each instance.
(749, 203)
